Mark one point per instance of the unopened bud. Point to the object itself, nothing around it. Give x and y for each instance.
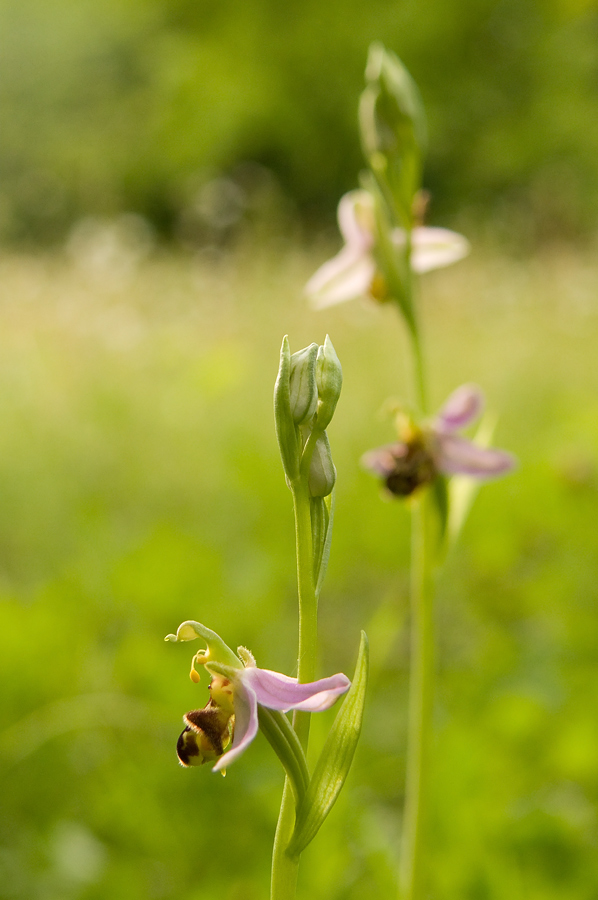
(322, 474)
(393, 128)
(303, 392)
(329, 378)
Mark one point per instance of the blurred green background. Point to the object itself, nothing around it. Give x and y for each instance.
(141, 485)
(169, 174)
(138, 104)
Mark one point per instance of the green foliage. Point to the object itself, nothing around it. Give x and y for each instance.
(335, 759)
(393, 131)
(141, 485)
(139, 104)
(284, 419)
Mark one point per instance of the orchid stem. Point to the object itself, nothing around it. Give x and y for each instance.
(308, 602)
(421, 672)
(284, 866)
(413, 325)
(421, 692)
(421, 392)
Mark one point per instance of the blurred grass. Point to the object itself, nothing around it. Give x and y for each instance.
(140, 486)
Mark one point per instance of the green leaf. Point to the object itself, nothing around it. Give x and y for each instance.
(325, 550)
(440, 492)
(283, 416)
(463, 489)
(319, 525)
(280, 735)
(335, 760)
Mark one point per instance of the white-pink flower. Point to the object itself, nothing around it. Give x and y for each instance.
(436, 448)
(353, 272)
(253, 687)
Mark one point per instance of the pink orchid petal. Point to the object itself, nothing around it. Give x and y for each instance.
(432, 248)
(462, 407)
(356, 220)
(277, 691)
(246, 724)
(383, 460)
(458, 456)
(347, 275)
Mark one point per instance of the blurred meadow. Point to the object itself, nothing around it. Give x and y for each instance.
(169, 176)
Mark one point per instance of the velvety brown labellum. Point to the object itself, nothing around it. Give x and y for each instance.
(412, 469)
(209, 722)
(187, 747)
(204, 735)
(404, 466)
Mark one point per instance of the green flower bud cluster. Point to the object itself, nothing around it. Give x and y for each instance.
(305, 396)
(393, 131)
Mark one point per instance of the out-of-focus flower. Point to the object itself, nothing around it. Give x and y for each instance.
(230, 718)
(354, 273)
(424, 452)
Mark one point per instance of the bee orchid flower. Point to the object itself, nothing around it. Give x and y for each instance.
(354, 272)
(225, 727)
(433, 449)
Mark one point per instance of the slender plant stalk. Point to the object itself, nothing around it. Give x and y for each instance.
(308, 603)
(421, 692)
(421, 675)
(285, 867)
(412, 320)
(421, 392)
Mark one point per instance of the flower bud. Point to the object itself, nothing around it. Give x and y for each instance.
(322, 474)
(329, 379)
(393, 129)
(303, 392)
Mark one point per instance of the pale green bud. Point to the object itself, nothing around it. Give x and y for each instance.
(322, 474)
(329, 379)
(303, 392)
(393, 129)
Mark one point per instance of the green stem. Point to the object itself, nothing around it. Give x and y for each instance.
(421, 675)
(308, 603)
(284, 867)
(419, 369)
(413, 326)
(421, 686)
